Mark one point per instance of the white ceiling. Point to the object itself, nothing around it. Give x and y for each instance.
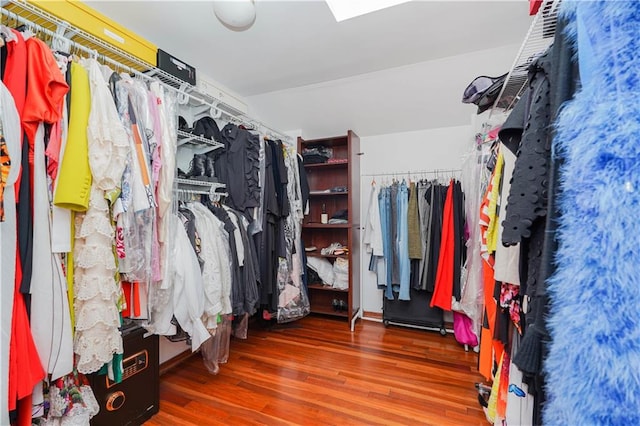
(298, 43)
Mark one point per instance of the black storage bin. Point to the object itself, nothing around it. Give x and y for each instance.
(137, 398)
(415, 312)
(176, 67)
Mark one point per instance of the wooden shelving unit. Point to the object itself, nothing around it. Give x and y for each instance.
(322, 177)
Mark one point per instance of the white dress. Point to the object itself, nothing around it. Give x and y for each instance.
(97, 292)
(188, 294)
(216, 273)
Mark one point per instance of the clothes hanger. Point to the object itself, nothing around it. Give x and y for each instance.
(7, 34)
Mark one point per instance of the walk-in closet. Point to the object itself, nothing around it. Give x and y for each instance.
(319, 212)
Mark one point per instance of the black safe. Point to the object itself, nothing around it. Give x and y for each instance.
(137, 398)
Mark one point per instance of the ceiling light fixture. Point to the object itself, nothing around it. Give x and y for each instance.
(347, 9)
(237, 15)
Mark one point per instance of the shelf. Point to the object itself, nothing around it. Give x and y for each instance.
(201, 143)
(326, 194)
(329, 311)
(327, 165)
(326, 256)
(326, 226)
(319, 286)
(191, 182)
(334, 141)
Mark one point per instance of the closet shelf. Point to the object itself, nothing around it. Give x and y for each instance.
(342, 164)
(320, 286)
(199, 183)
(327, 256)
(538, 39)
(328, 311)
(188, 138)
(327, 193)
(326, 226)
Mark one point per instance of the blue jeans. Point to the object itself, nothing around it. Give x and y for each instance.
(403, 241)
(384, 199)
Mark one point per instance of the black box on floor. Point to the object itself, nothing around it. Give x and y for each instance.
(413, 312)
(137, 397)
(176, 67)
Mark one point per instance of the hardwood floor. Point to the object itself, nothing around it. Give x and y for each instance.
(315, 371)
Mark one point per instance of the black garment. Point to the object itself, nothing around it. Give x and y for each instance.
(437, 213)
(113, 85)
(527, 199)
(395, 264)
(266, 241)
(460, 248)
(207, 128)
(281, 177)
(237, 165)
(25, 225)
(304, 184)
(565, 80)
(249, 285)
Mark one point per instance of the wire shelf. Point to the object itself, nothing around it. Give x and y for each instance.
(539, 38)
(188, 138)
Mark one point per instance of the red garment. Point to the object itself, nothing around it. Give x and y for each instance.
(443, 287)
(25, 367)
(131, 291)
(45, 91)
(53, 150)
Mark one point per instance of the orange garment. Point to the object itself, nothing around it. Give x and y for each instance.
(443, 287)
(490, 349)
(25, 368)
(45, 91)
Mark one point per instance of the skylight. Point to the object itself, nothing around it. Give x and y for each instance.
(347, 9)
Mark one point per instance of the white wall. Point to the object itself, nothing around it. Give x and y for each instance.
(420, 96)
(440, 148)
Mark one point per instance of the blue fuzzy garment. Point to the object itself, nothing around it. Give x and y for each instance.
(593, 366)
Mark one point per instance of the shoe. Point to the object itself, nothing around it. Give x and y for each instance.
(209, 170)
(335, 304)
(197, 167)
(342, 306)
(327, 251)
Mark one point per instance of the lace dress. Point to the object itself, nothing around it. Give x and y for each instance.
(97, 292)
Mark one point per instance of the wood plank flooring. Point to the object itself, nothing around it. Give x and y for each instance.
(316, 372)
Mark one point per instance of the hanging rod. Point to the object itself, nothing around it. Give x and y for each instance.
(41, 21)
(415, 172)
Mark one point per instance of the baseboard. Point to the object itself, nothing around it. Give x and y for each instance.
(372, 315)
(175, 361)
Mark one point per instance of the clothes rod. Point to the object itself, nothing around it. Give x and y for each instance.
(239, 118)
(415, 172)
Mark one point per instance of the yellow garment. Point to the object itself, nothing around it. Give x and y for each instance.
(492, 404)
(492, 230)
(70, 293)
(74, 175)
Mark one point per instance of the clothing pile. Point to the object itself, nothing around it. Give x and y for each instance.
(316, 154)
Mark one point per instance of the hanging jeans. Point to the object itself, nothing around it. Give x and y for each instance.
(384, 199)
(402, 241)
